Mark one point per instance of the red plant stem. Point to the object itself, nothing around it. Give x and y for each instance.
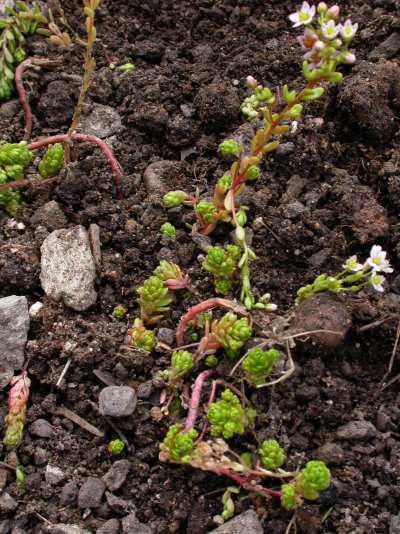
(195, 399)
(239, 178)
(201, 308)
(88, 138)
(19, 85)
(245, 482)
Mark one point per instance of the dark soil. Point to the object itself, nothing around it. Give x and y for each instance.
(331, 191)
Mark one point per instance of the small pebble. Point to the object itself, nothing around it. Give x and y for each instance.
(91, 493)
(7, 503)
(41, 428)
(356, 431)
(116, 475)
(117, 401)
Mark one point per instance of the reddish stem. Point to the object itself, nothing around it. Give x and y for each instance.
(19, 85)
(245, 482)
(201, 308)
(195, 399)
(91, 139)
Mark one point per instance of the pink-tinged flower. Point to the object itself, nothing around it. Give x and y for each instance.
(377, 260)
(304, 16)
(330, 30)
(352, 264)
(377, 281)
(307, 40)
(348, 30)
(251, 82)
(322, 7)
(349, 58)
(314, 57)
(333, 12)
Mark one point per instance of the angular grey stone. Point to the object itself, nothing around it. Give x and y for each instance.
(41, 428)
(7, 503)
(166, 335)
(247, 522)
(117, 401)
(91, 493)
(145, 389)
(109, 527)
(116, 475)
(53, 475)
(118, 505)
(14, 326)
(68, 269)
(103, 121)
(356, 431)
(131, 525)
(160, 175)
(64, 528)
(395, 525)
(69, 494)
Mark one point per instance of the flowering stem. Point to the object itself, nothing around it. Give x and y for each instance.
(60, 138)
(195, 399)
(201, 308)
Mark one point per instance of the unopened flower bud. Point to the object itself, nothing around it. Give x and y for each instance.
(322, 8)
(251, 82)
(333, 12)
(349, 58)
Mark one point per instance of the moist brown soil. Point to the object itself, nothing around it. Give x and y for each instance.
(331, 191)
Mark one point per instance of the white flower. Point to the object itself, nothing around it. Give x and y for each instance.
(348, 30)
(377, 260)
(377, 281)
(304, 16)
(352, 264)
(330, 30)
(349, 58)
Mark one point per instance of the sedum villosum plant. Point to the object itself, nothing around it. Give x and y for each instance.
(15, 419)
(353, 277)
(325, 43)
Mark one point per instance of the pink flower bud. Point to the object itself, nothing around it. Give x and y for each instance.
(251, 82)
(349, 58)
(322, 7)
(333, 12)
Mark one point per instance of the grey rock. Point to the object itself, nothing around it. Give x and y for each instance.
(331, 453)
(69, 494)
(91, 493)
(109, 527)
(5, 526)
(67, 268)
(41, 428)
(53, 475)
(160, 176)
(319, 258)
(6, 373)
(247, 522)
(64, 528)
(395, 525)
(40, 456)
(166, 335)
(116, 475)
(145, 389)
(117, 401)
(285, 149)
(131, 525)
(103, 121)
(294, 209)
(7, 503)
(356, 431)
(153, 216)
(49, 215)
(14, 326)
(118, 505)
(389, 48)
